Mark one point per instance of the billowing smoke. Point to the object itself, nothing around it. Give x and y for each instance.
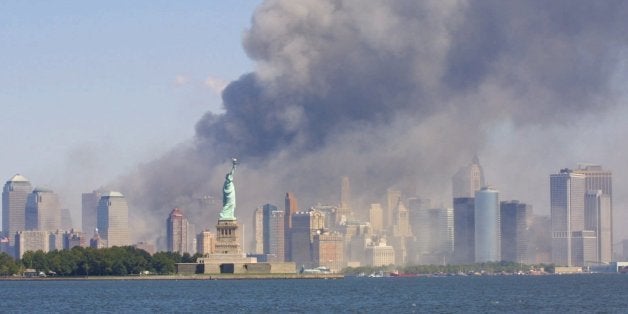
(398, 93)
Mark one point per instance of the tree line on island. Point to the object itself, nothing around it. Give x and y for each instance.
(80, 261)
(128, 260)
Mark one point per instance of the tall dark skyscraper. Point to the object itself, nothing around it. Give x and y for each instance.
(464, 230)
(276, 236)
(14, 197)
(177, 231)
(291, 208)
(343, 212)
(89, 210)
(267, 211)
(515, 221)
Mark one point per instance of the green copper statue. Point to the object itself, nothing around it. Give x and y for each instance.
(228, 195)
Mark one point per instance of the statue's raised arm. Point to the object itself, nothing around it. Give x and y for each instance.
(228, 195)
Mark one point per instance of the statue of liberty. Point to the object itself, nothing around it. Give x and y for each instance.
(228, 195)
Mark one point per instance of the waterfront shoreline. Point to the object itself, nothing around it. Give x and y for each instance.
(182, 277)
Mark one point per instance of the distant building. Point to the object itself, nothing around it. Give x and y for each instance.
(205, 242)
(72, 238)
(376, 217)
(304, 226)
(258, 230)
(96, 241)
(291, 208)
(267, 210)
(392, 199)
(401, 222)
(468, 179)
(177, 232)
(328, 251)
(276, 235)
(515, 223)
(148, 247)
(487, 226)
(599, 209)
(343, 212)
(14, 195)
(380, 254)
(31, 241)
(464, 230)
(66, 219)
(43, 211)
(89, 210)
(567, 190)
(434, 243)
(113, 219)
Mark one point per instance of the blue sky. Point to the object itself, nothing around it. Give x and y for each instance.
(88, 90)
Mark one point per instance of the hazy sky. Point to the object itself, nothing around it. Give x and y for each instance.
(90, 89)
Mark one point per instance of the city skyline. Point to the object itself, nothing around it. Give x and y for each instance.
(309, 99)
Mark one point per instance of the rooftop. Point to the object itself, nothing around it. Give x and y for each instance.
(18, 178)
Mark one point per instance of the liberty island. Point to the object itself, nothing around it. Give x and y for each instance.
(228, 257)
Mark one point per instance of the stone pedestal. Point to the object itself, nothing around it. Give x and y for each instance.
(227, 238)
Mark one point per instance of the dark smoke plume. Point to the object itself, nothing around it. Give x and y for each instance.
(396, 93)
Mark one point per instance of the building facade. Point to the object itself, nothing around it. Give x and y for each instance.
(14, 196)
(487, 226)
(567, 190)
(177, 230)
(89, 211)
(43, 211)
(515, 218)
(113, 219)
(464, 230)
(468, 179)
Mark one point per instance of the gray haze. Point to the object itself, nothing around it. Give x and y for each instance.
(403, 93)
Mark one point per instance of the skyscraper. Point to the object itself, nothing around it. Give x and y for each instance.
(401, 221)
(276, 235)
(376, 217)
(343, 212)
(258, 230)
(177, 232)
(14, 197)
(468, 179)
(515, 222)
(487, 226)
(267, 210)
(113, 219)
(304, 226)
(290, 209)
(43, 211)
(89, 210)
(392, 199)
(433, 230)
(464, 230)
(567, 190)
(599, 192)
(598, 218)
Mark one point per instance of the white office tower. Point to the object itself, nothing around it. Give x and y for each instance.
(487, 226)
(113, 219)
(468, 179)
(14, 197)
(567, 191)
